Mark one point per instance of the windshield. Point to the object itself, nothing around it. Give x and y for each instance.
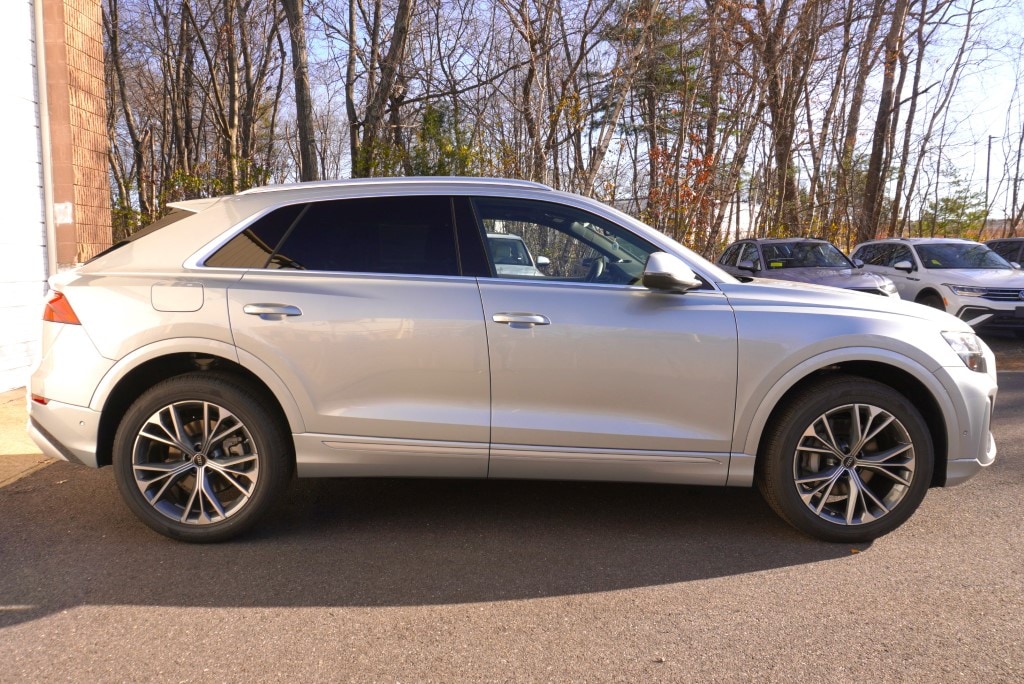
(960, 255)
(804, 254)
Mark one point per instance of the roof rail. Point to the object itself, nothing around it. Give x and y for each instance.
(453, 180)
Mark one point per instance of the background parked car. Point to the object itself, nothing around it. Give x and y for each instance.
(512, 257)
(1011, 249)
(963, 277)
(804, 260)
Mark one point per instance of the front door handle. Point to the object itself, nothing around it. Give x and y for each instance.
(520, 320)
(272, 312)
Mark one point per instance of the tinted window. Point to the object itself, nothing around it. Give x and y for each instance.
(750, 254)
(565, 243)
(412, 235)
(253, 246)
(1008, 249)
(804, 254)
(869, 254)
(899, 253)
(729, 257)
(960, 255)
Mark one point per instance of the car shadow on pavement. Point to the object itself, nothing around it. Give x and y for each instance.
(68, 540)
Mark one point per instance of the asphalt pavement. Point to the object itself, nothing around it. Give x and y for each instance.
(451, 581)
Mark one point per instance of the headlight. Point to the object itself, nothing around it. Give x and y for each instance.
(967, 290)
(969, 348)
(889, 286)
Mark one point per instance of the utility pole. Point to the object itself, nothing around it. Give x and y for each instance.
(988, 165)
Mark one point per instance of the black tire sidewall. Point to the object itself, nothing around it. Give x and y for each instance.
(776, 474)
(272, 445)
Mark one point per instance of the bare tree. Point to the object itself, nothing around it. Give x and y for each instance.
(294, 11)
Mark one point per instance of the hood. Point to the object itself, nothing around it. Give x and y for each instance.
(781, 293)
(518, 270)
(833, 277)
(980, 277)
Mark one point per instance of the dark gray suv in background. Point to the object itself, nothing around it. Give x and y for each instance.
(1011, 249)
(802, 260)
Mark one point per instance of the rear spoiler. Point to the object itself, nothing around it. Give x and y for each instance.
(196, 205)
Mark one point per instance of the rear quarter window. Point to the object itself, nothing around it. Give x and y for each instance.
(253, 247)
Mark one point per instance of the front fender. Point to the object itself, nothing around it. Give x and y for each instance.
(752, 415)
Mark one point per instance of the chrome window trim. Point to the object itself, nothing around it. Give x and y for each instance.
(467, 189)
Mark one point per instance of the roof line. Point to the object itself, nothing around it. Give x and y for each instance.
(447, 180)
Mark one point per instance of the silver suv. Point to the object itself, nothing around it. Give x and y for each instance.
(363, 329)
(963, 277)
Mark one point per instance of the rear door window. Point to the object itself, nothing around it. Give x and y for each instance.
(401, 235)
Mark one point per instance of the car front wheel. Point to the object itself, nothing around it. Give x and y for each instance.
(198, 458)
(846, 460)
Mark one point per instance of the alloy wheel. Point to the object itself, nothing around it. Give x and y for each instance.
(854, 464)
(195, 462)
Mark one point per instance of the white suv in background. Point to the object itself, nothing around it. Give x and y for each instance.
(963, 277)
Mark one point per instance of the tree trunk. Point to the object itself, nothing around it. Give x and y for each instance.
(308, 169)
(874, 182)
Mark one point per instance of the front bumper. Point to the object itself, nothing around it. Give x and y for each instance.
(972, 446)
(987, 318)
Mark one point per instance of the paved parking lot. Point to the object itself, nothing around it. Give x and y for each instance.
(381, 581)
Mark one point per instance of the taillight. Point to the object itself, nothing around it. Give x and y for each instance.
(58, 310)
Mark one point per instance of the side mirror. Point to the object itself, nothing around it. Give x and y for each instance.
(668, 273)
(543, 261)
(1015, 265)
(858, 263)
(903, 266)
(747, 265)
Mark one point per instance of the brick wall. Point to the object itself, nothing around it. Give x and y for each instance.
(77, 114)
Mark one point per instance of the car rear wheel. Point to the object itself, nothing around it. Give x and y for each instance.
(198, 458)
(847, 460)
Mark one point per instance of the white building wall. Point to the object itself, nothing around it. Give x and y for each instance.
(22, 229)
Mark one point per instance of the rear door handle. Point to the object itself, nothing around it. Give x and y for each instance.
(520, 320)
(272, 312)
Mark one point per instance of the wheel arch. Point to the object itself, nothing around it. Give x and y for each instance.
(928, 292)
(128, 379)
(907, 377)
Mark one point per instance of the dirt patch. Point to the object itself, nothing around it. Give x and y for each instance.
(1009, 351)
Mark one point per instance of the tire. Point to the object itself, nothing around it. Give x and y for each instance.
(811, 460)
(933, 301)
(203, 429)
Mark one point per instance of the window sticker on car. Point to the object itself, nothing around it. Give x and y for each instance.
(775, 264)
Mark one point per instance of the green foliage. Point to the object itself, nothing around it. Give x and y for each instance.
(377, 158)
(958, 214)
(439, 149)
(125, 220)
(203, 181)
(181, 186)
